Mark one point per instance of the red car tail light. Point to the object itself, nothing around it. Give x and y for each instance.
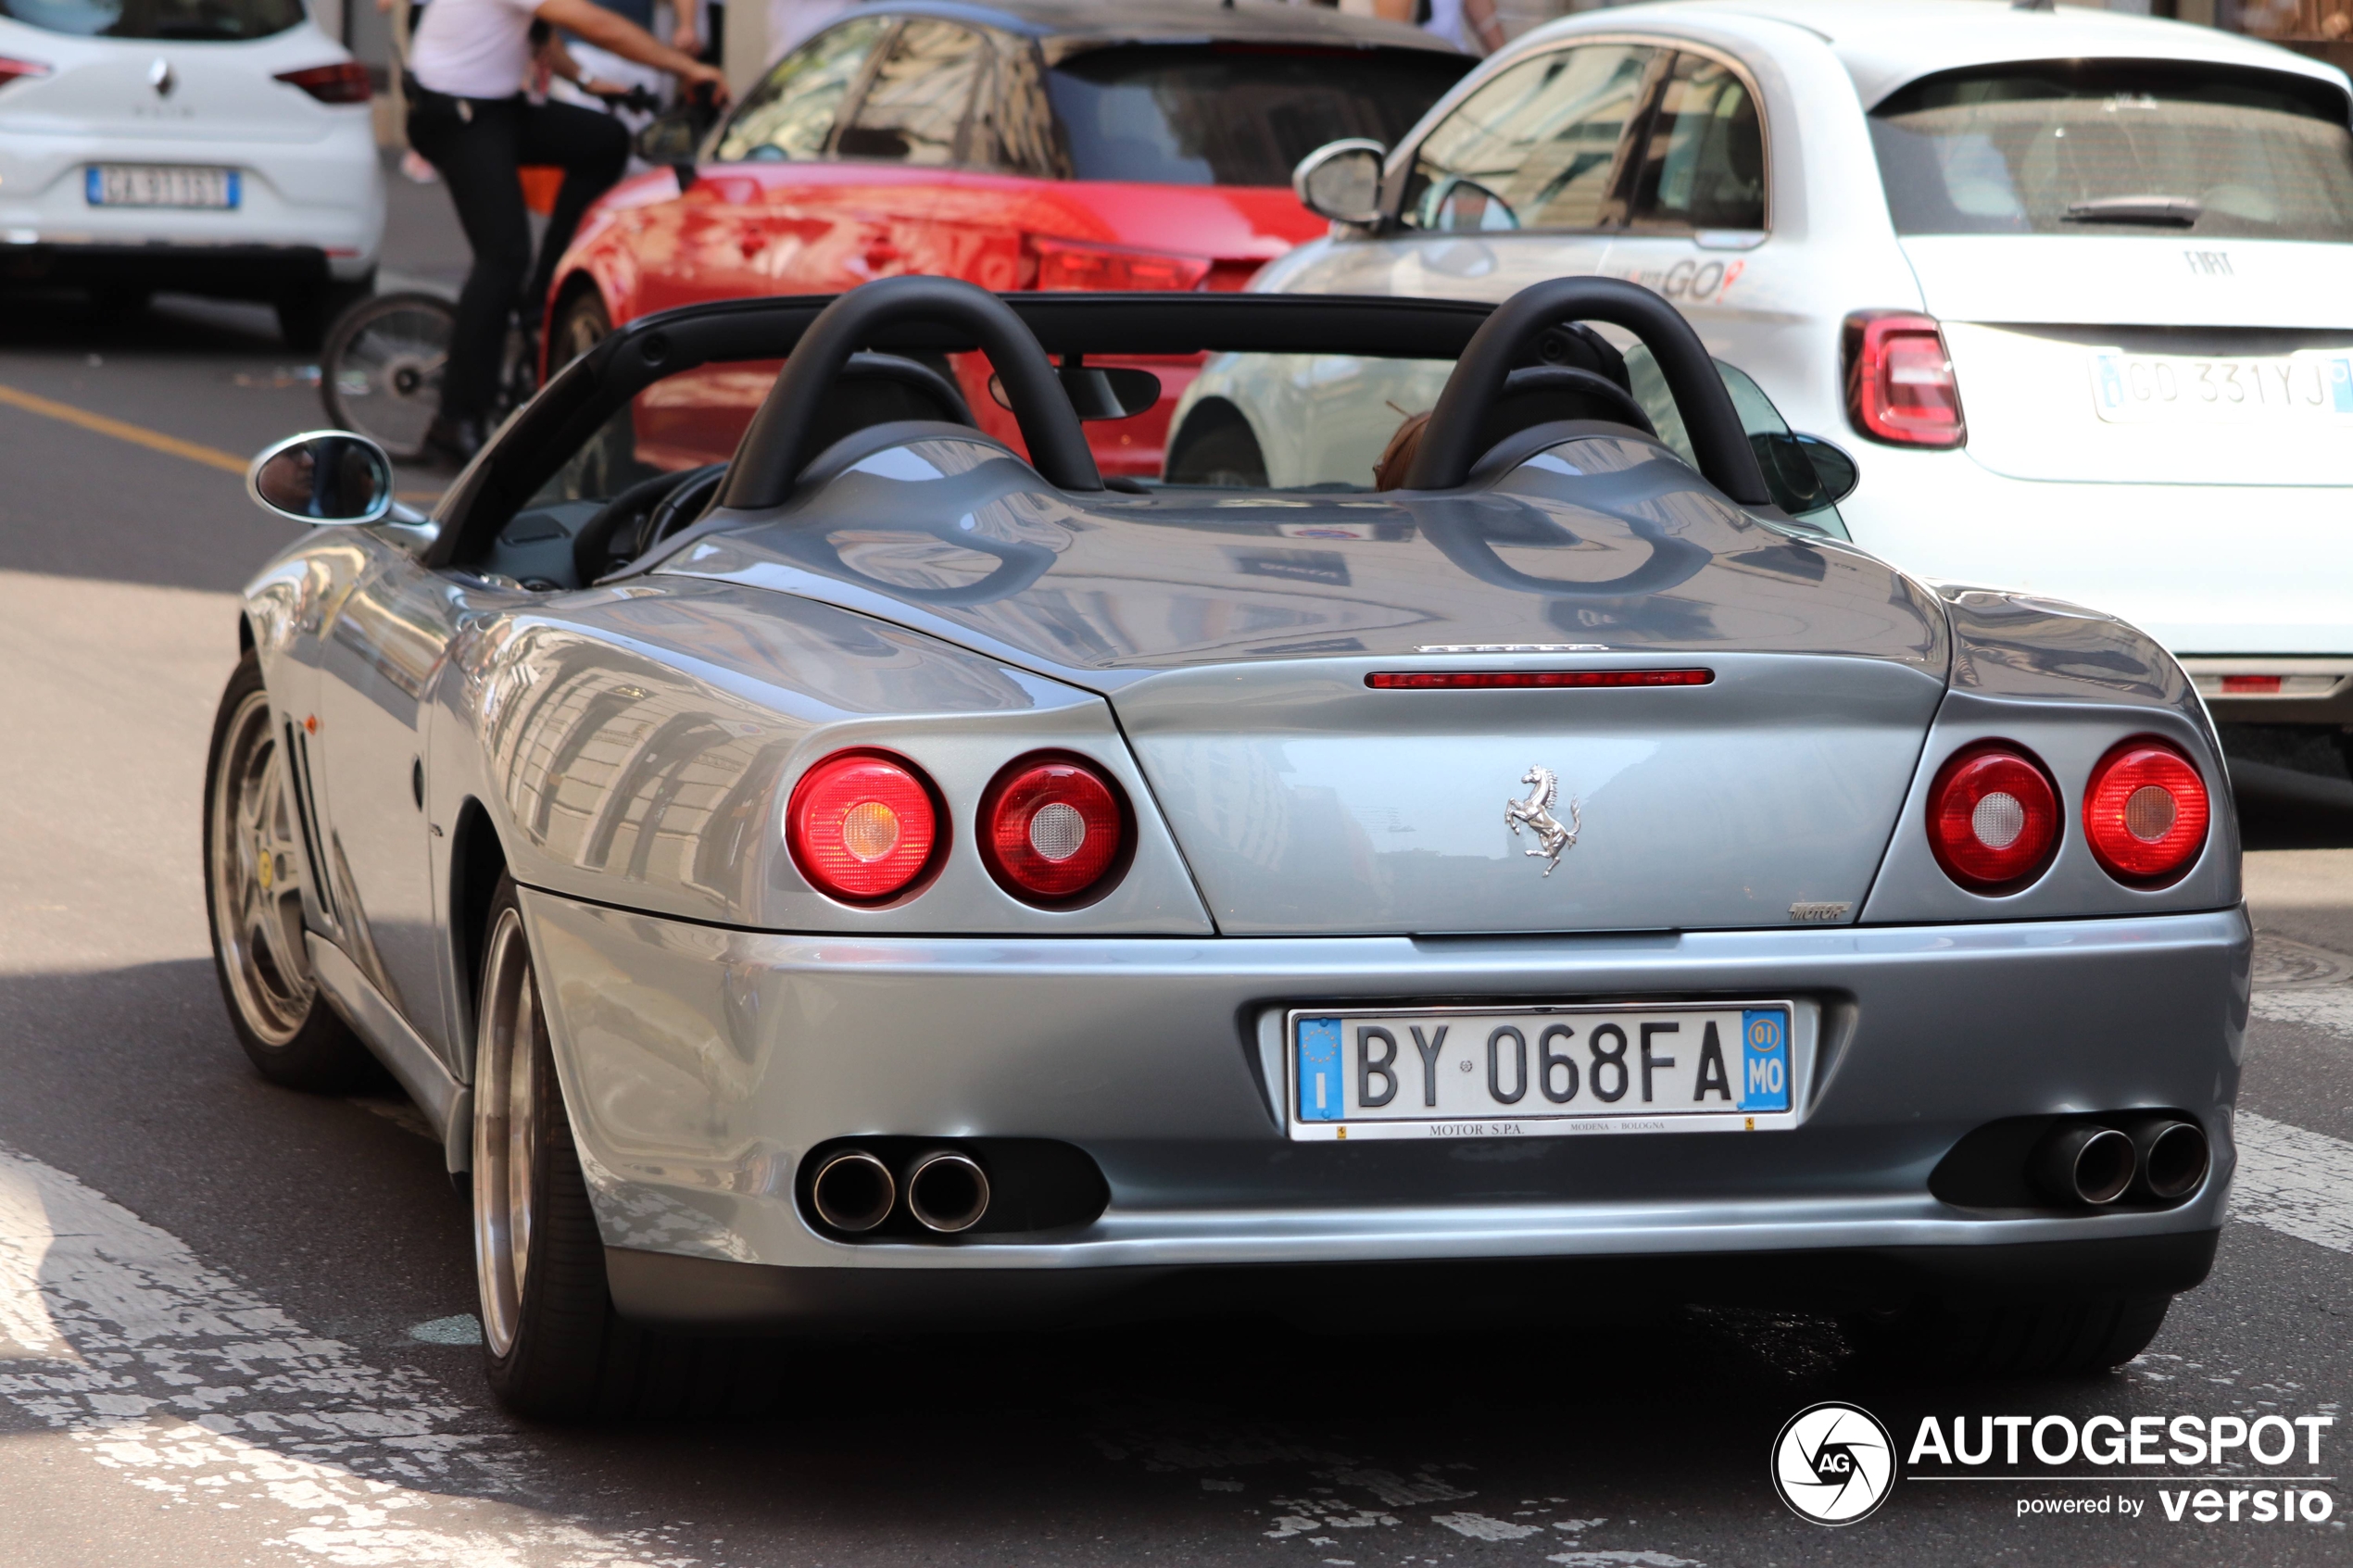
(344, 83)
(2146, 811)
(12, 70)
(1900, 386)
(1064, 265)
(862, 826)
(1993, 817)
(1053, 829)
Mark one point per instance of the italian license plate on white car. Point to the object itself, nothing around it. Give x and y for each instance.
(2184, 389)
(161, 184)
(1422, 1073)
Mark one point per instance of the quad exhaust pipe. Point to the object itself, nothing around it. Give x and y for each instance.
(947, 1192)
(854, 1191)
(2160, 1159)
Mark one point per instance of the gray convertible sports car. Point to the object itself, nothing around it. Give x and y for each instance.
(873, 875)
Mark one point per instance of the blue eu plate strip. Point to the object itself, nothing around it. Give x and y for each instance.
(1320, 1084)
(1765, 1059)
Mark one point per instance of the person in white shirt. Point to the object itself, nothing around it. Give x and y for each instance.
(468, 117)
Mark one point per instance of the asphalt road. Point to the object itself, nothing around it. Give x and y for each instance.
(177, 1236)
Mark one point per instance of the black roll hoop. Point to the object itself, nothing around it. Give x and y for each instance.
(1449, 442)
(770, 458)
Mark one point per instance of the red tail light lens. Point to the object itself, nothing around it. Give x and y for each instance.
(1053, 829)
(862, 826)
(1993, 817)
(1900, 385)
(345, 83)
(13, 70)
(1065, 266)
(2146, 811)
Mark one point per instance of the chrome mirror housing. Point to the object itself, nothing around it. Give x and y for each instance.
(1342, 180)
(324, 478)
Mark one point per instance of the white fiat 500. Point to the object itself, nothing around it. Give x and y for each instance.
(2075, 289)
(208, 147)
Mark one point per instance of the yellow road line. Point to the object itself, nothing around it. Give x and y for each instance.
(121, 430)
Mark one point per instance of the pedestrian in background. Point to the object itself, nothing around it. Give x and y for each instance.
(469, 118)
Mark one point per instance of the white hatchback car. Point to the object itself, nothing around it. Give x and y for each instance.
(2076, 289)
(208, 147)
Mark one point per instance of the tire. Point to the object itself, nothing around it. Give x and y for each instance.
(253, 870)
(583, 323)
(380, 373)
(2063, 1339)
(553, 1348)
(306, 314)
(1217, 446)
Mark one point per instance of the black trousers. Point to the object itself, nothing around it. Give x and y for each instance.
(478, 143)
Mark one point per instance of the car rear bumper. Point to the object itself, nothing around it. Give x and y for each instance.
(320, 201)
(2204, 569)
(240, 271)
(700, 1064)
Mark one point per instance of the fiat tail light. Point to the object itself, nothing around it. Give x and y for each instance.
(1053, 829)
(1063, 266)
(2146, 811)
(1900, 386)
(16, 70)
(1993, 817)
(864, 825)
(344, 83)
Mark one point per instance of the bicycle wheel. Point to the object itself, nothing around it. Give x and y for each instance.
(379, 373)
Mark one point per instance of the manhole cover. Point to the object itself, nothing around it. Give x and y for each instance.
(2282, 965)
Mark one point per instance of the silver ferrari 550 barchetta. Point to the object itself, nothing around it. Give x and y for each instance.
(823, 866)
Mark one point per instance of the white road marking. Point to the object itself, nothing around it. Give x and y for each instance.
(2294, 1181)
(1478, 1527)
(2330, 1008)
(463, 1329)
(1609, 1559)
(201, 1393)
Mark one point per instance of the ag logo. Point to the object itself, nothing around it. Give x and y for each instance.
(1833, 1463)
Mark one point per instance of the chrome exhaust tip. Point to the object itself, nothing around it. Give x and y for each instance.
(2170, 1158)
(947, 1191)
(854, 1191)
(2084, 1163)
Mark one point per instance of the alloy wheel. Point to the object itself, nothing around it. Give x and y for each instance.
(513, 1035)
(256, 880)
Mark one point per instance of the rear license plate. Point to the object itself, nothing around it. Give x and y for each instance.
(160, 185)
(2183, 389)
(1423, 1072)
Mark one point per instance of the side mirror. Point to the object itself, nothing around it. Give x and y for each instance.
(1803, 473)
(1098, 391)
(1832, 466)
(1342, 180)
(324, 477)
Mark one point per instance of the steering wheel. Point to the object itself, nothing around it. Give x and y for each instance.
(1451, 440)
(778, 445)
(683, 506)
(591, 547)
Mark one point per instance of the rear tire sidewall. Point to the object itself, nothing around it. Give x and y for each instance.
(552, 1368)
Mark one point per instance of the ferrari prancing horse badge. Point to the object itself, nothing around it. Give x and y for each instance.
(1536, 814)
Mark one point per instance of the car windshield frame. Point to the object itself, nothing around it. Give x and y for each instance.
(194, 21)
(1975, 159)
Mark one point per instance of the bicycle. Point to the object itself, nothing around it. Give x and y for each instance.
(380, 368)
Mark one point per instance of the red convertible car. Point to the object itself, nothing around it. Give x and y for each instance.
(1044, 144)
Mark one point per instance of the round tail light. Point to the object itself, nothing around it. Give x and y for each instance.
(2146, 811)
(1053, 829)
(862, 826)
(1993, 817)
